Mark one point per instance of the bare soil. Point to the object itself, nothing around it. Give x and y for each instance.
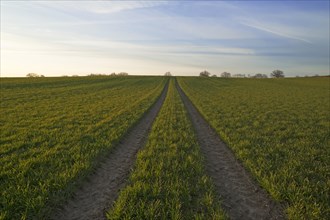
(242, 197)
(101, 189)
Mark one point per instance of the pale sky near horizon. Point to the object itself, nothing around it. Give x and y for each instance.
(57, 38)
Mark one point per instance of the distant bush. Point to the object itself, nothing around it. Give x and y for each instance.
(97, 74)
(239, 75)
(122, 74)
(33, 75)
(204, 73)
(259, 75)
(225, 75)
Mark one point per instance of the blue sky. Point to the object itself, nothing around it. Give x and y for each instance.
(57, 38)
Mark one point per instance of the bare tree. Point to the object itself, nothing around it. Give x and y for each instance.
(225, 75)
(204, 73)
(214, 75)
(277, 74)
(168, 74)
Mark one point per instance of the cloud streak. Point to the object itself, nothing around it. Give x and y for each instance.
(275, 32)
(102, 7)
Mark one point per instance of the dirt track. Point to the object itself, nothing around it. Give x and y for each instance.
(97, 194)
(241, 197)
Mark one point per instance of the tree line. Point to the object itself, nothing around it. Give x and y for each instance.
(273, 74)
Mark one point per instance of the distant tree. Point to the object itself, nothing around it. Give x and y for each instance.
(214, 75)
(168, 74)
(277, 74)
(113, 74)
(204, 73)
(225, 75)
(32, 75)
(42, 76)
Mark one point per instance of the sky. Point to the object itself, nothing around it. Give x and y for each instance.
(56, 38)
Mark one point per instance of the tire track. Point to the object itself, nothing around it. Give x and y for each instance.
(101, 189)
(241, 197)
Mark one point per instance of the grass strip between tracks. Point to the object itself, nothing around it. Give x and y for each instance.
(168, 180)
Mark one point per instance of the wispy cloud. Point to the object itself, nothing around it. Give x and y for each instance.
(101, 7)
(275, 32)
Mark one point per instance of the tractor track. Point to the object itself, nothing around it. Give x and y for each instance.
(98, 193)
(242, 197)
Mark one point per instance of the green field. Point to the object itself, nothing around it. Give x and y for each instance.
(168, 181)
(53, 130)
(280, 129)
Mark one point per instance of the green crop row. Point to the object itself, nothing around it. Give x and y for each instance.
(168, 180)
(55, 130)
(279, 129)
